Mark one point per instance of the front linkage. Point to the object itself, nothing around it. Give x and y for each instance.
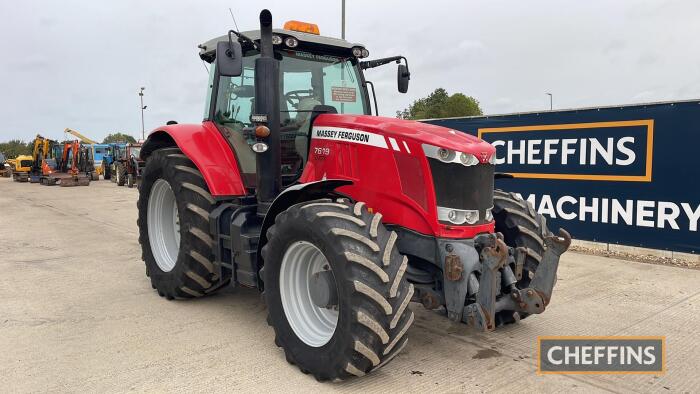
(498, 268)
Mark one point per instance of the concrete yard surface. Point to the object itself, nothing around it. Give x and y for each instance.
(78, 314)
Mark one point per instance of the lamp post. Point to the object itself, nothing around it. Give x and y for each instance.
(550, 100)
(143, 107)
(342, 24)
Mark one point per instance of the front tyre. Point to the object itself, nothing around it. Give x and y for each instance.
(523, 227)
(113, 173)
(174, 206)
(335, 289)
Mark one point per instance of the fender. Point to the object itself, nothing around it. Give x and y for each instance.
(208, 150)
(293, 195)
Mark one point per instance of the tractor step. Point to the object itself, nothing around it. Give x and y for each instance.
(236, 230)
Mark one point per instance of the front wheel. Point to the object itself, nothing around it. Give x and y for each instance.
(335, 289)
(174, 206)
(522, 227)
(106, 173)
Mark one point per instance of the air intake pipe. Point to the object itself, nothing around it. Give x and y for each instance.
(267, 103)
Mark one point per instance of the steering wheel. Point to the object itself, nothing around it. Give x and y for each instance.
(295, 96)
(232, 90)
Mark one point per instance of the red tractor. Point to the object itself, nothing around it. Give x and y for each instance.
(127, 164)
(290, 186)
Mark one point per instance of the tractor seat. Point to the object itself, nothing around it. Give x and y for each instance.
(303, 119)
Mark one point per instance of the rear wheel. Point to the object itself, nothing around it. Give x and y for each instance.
(174, 206)
(121, 174)
(335, 289)
(521, 226)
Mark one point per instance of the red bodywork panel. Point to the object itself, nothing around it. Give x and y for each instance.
(209, 151)
(390, 172)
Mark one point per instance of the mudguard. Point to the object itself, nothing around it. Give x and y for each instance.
(208, 150)
(295, 194)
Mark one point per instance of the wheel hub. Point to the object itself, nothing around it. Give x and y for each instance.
(309, 294)
(322, 290)
(163, 225)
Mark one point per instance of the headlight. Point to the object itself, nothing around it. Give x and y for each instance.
(457, 216)
(489, 215)
(446, 155)
(468, 160)
(259, 147)
(291, 42)
(492, 160)
(360, 52)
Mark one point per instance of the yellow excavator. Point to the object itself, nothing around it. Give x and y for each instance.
(44, 155)
(20, 167)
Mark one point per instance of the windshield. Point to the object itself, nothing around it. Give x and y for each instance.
(306, 80)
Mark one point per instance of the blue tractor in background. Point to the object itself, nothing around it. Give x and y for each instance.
(105, 155)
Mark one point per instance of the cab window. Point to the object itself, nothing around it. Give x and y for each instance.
(306, 81)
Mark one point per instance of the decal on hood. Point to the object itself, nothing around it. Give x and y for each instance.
(349, 135)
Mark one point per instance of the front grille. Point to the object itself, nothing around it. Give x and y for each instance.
(463, 187)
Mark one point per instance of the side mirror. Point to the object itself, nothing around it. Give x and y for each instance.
(229, 58)
(403, 76)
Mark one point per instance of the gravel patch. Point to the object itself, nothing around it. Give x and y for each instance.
(641, 258)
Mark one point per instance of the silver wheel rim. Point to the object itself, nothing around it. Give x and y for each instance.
(163, 225)
(311, 324)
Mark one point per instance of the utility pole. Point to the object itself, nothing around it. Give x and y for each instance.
(143, 107)
(342, 29)
(550, 100)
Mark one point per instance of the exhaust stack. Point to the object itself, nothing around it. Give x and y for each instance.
(267, 102)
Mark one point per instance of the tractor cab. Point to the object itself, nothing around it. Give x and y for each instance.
(317, 74)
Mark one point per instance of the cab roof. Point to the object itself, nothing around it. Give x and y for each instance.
(207, 50)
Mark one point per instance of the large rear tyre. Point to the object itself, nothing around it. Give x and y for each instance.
(521, 226)
(335, 289)
(174, 206)
(121, 174)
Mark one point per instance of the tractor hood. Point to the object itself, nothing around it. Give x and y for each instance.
(409, 130)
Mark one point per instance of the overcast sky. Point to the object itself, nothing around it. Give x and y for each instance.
(80, 64)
